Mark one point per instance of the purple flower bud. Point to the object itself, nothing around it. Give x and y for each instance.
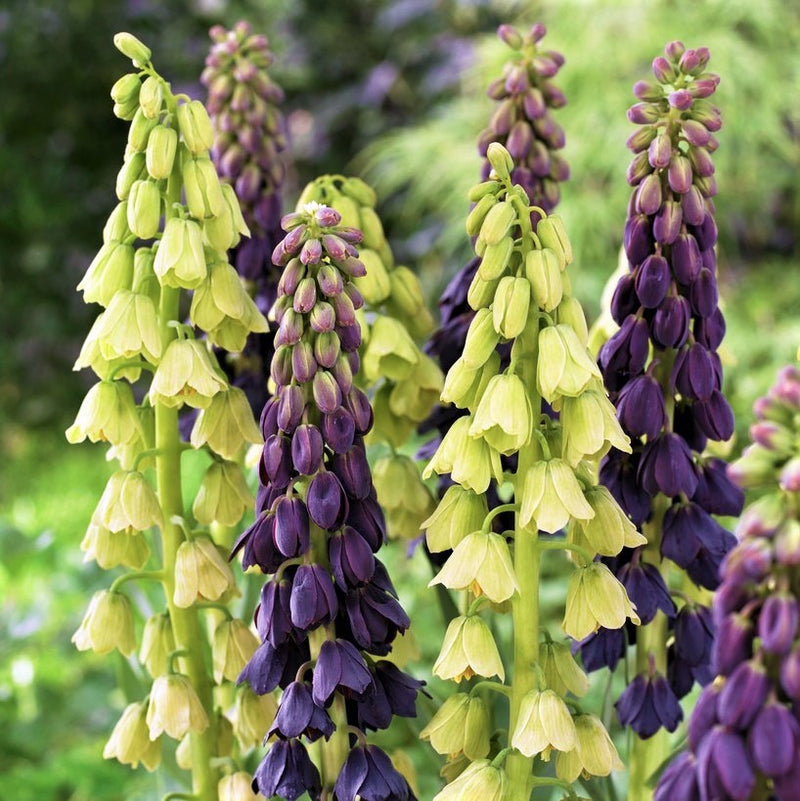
(313, 602)
(715, 417)
(640, 407)
(299, 715)
(715, 492)
(288, 772)
(703, 717)
(625, 354)
(693, 373)
(705, 232)
(290, 407)
(306, 295)
(638, 238)
(293, 241)
(681, 99)
(330, 280)
(639, 168)
(624, 301)
(641, 138)
(710, 330)
(349, 336)
(701, 161)
(643, 113)
(338, 429)
(368, 774)
(326, 349)
(366, 517)
(269, 418)
(663, 70)
(307, 449)
(680, 174)
(790, 674)
(694, 634)
(778, 623)
(291, 532)
(351, 558)
(723, 767)
(667, 466)
(520, 139)
(670, 325)
(743, 695)
(679, 781)
(340, 668)
(352, 468)
(293, 273)
(375, 617)
(290, 329)
(357, 403)
(276, 465)
(602, 649)
(273, 618)
(304, 365)
(323, 318)
(773, 739)
(343, 373)
(618, 473)
(667, 224)
(281, 368)
(660, 151)
(653, 280)
(647, 704)
(345, 314)
(649, 195)
(646, 589)
(311, 252)
(326, 501)
(327, 394)
(259, 545)
(686, 259)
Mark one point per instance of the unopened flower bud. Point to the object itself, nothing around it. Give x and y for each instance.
(144, 209)
(126, 89)
(195, 126)
(544, 273)
(202, 188)
(510, 307)
(151, 97)
(561, 671)
(500, 159)
(130, 46)
(162, 144)
(158, 642)
(553, 235)
(495, 259)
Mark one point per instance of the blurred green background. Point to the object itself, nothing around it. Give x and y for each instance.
(389, 89)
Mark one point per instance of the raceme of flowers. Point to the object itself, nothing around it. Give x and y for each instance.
(518, 295)
(664, 375)
(744, 732)
(168, 235)
(329, 613)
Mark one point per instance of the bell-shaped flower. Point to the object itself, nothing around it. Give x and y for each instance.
(460, 726)
(480, 780)
(175, 708)
(482, 563)
(594, 753)
(186, 374)
(647, 704)
(158, 642)
(128, 503)
(610, 529)
(226, 424)
(201, 572)
(402, 494)
(298, 715)
(236, 787)
(468, 650)
(459, 512)
(590, 427)
(107, 414)
(180, 261)
(113, 548)
(128, 328)
(369, 775)
(464, 386)
(390, 351)
(595, 598)
(503, 417)
(110, 272)
(130, 741)
(565, 367)
(223, 496)
(340, 667)
(561, 672)
(287, 771)
(107, 624)
(552, 496)
(543, 724)
(251, 714)
(233, 646)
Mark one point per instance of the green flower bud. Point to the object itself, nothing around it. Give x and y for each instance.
(126, 110)
(543, 724)
(232, 648)
(144, 209)
(128, 328)
(107, 624)
(468, 650)
(552, 496)
(510, 308)
(349, 209)
(565, 366)
(130, 741)
(594, 753)
(360, 191)
(478, 214)
(415, 398)
(180, 261)
(561, 671)
(223, 496)
(402, 495)
(570, 313)
(252, 716)
(497, 224)
(481, 562)
(544, 273)
(406, 293)
(376, 285)
(126, 89)
(481, 780)
(201, 573)
(590, 427)
(151, 97)
(174, 708)
(130, 46)
(372, 228)
(202, 187)
(236, 787)
(116, 228)
(158, 642)
(473, 463)
(595, 598)
(610, 530)
(500, 159)
(128, 503)
(139, 132)
(113, 548)
(226, 424)
(481, 293)
(483, 188)
(481, 339)
(195, 126)
(553, 235)
(503, 417)
(460, 725)
(162, 144)
(225, 231)
(107, 414)
(133, 169)
(495, 259)
(111, 270)
(390, 351)
(186, 375)
(464, 386)
(459, 512)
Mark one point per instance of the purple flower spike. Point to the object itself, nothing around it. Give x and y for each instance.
(340, 667)
(368, 774)
(288, 772)
(300, 715)
(313, 602)
(647, 704)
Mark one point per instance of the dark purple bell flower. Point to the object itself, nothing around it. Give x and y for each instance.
(703, 294)
(287, 771)
(704, 571)
(778, 623)
(625, 354)
(686, 259)
(682, 676)
(648, 704)
(339, 430)
(638, 238)
(703, 717)
(349, 333)
(743, 695)
(291, 531)
(733, 643)
(313, 602)
(602, 649)
(624, 301)
(773, 740)
(276, 461)
(686, 529)
(694, 634)
(679, 781)
(723, 767)
(640, 407)
(326, 501)
(307, 449)
(266, 495)
(715, 417)
(685, 425)
(400, 688)
(667, 466)
(618, 473)
(351, 558)
(340, 667)
(693, 373)
(375, 617)
(273, 615)
(373, 710)
(670, 324)
(272, 667)
(366, 517)
(715, 492)
(646, 588)
(353, 471)
(299, 715)
(653, 280)
(368, 775)
(710, 330)
(259, 545)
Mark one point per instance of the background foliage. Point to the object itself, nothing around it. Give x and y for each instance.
(393, 89)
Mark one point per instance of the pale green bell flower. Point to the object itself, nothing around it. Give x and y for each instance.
(510, 306)
(236, 787)
(130, 741)
(180, 261)
(144, 209)
(175, 708)
(551, 496)
(233, 646)
(225, 231)
(162, 146)
(107, 624)
(195, 126)
(468, 650)
(226, 424)
(110, 272)
(464, 386)
(158, 642)
(481, 339)
(460, 725)
(251, 713)
(202, 188)
(126, 329)
(113, 548)
(503, 417)
(594, 753)
(128, 503)
(570, 313)
(390, 352)
(376, 286)
(186, 375)
(107, 414)
(590, 427)
(481, 781)
(543, 724)
(402, 494)
(564, 366)
(561, 672)
(460, 511)
(223, 496)
(610, 530)
(415, 397)
(201, 573)
(552, 234)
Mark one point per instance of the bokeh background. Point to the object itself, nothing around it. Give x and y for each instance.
(392, 90)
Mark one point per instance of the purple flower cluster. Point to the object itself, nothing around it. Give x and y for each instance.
(249, 139)
(670, 403)
(745, 729)
(329, 608)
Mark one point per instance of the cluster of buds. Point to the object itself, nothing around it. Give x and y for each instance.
(249, 141)
(744, 733)
(524, 124)
(155, 247)
(520, 294)
(403, 381)
(665, 378)
(329, 611)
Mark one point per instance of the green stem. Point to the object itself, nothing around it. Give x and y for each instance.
(493, 513)
(563, 545)
(138, 575)
(494, 686)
